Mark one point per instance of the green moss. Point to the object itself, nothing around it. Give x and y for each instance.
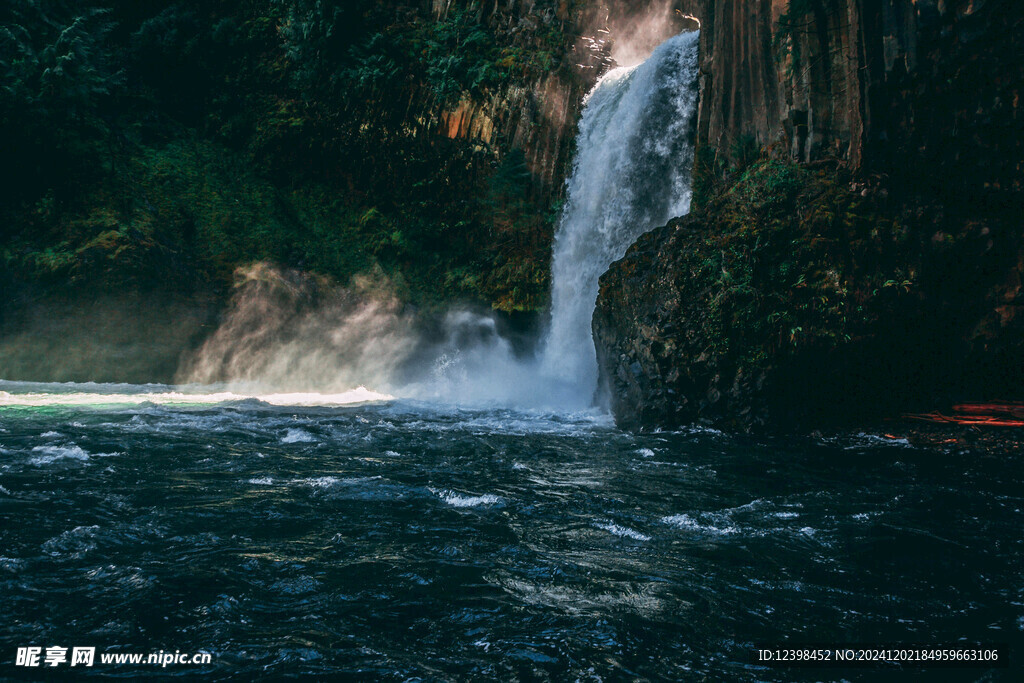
(199, 210)
(792, 259)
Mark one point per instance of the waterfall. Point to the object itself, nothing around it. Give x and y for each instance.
(631, 174)
(287, 332)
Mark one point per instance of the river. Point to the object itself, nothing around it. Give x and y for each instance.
(397, 540)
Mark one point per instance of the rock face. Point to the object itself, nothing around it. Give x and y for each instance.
(651, 372)
(866, 81)
(855, 248)
(540, 116)
(537, 117)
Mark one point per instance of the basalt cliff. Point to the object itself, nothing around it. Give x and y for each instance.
(855, 246)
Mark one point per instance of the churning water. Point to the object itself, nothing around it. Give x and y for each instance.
(403, 541)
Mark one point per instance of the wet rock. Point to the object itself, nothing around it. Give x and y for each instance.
(749, 316)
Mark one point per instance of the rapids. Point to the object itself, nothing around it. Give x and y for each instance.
(398, 540)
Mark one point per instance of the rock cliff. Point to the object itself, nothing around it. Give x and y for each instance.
(539, 114)
(855, 248)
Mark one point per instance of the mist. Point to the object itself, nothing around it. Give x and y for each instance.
(635, 29)
(287, 332)
(135, 337)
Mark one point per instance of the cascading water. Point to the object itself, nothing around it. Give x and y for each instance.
(631, 174)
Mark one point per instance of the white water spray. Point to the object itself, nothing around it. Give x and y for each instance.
(632, 173)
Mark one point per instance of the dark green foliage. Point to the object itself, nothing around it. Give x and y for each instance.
(57, 77)
(790, 261)
(460, 56)
(520, 239)
(796, 20)
(708, 170)
(172, 141)
(715, 170)
(743, 152)
(61, 66)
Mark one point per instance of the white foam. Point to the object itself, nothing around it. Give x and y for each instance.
(876, 439)
(863, 440)
(459, 501)
(262, 481)
(439, 417)
(75, 542)
(690, 524)
(311, 399)
(624, 532)
(12, 564)
(298, 436)
(320, 482)
(43, 395)
(55, 453)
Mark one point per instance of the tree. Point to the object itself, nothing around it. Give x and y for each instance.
(57, 73)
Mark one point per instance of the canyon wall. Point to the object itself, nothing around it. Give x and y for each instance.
(855, 248)
(877, 84)
(539, 115)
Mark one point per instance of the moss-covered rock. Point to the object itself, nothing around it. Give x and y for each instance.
(798, 296)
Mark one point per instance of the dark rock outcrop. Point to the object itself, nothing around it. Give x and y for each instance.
(799, 298)
(883, 278)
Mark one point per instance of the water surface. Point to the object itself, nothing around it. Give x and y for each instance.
(397, 540)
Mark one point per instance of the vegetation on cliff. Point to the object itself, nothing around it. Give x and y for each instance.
(856, 245)
(171, 142)
(797, 295)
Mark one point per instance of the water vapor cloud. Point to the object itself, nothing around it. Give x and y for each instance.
(287, 332)
(635, 29)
